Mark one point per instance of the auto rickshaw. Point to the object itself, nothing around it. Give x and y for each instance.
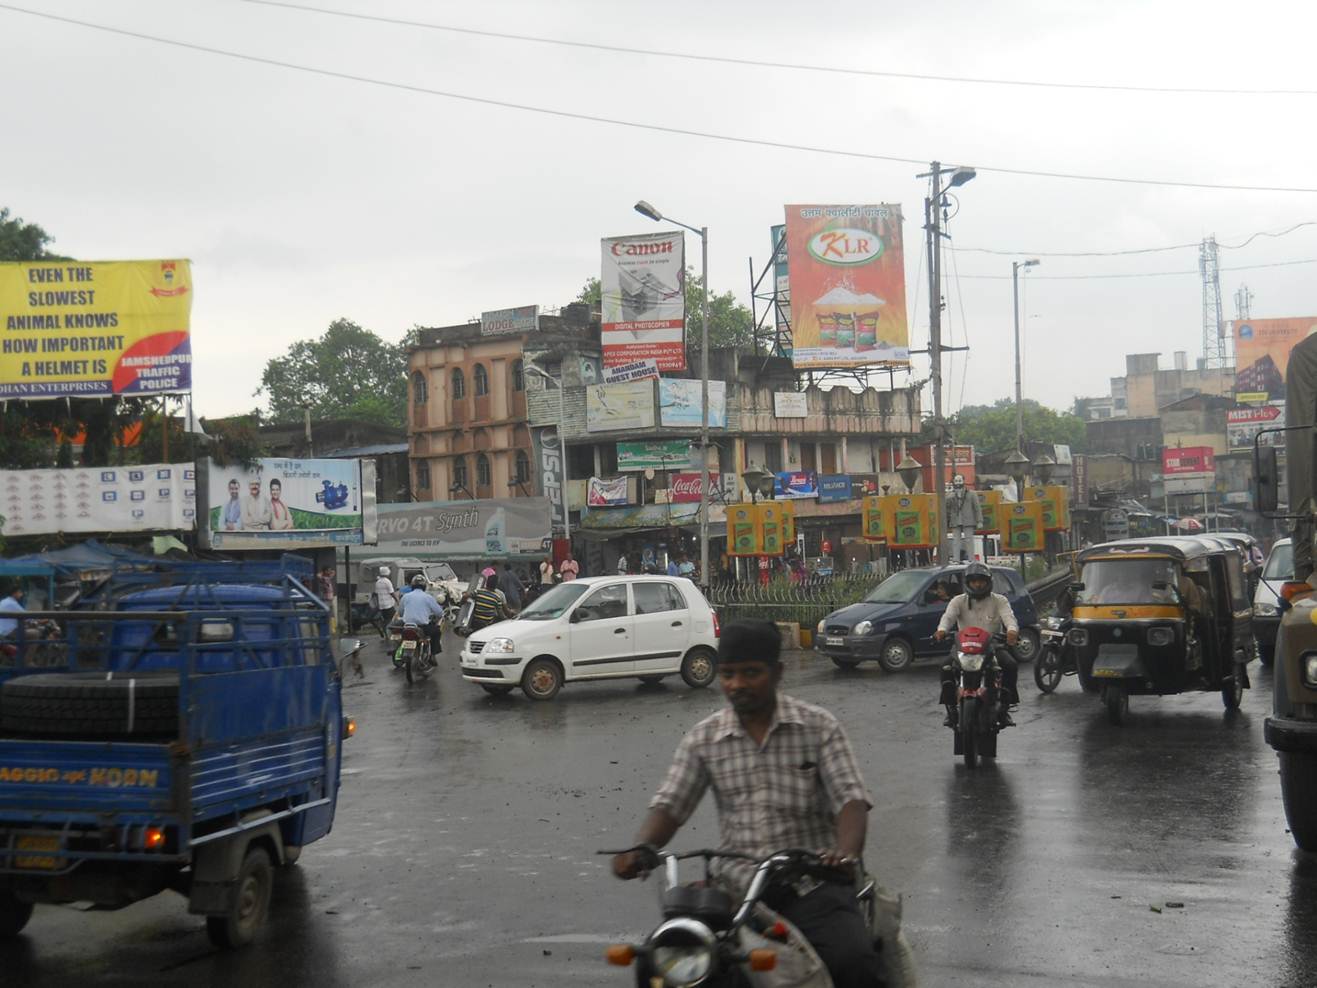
(1160, 616)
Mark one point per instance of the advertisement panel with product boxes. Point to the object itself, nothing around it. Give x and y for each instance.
(990, 502)
(1022, 526)
(72, 329)
(279, 503)
(1055, 499)
(847, 276)
(642, 287)
(910, 520)
(150, 497)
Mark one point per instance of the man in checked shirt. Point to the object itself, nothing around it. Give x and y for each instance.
(783, 775)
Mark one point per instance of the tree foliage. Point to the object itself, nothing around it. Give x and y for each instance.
(348, 372)
(991, 428)
(730, 322)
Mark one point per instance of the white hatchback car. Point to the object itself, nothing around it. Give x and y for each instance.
(602, 627)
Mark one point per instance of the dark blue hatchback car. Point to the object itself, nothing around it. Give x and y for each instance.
(895, 623)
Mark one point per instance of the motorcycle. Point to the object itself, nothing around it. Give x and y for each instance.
(708, 939)
(417, 656)
(979, 696)
(1057, 658)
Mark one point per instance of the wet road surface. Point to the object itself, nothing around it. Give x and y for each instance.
(463, 850)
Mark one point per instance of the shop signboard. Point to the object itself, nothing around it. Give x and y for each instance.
(1115, 524)
(834, 487)
(145, 498)
(1022, 526)
(78, 329)
(637, 370)
(795, 484)
(847, 277)
(643, 299)
(506, 322)
(654, 454)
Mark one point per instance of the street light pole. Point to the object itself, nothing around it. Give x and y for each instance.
(1019, 400)
(645, 209)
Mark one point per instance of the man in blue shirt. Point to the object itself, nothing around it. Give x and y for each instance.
(422, 610)
(11, 604)
(672, 566)
(233, 510)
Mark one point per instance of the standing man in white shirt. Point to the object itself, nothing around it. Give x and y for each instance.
(385, 599)
(256, 515)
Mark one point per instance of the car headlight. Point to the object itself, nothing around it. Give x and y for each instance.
(863, 628)
(499, 646)
(1160, 637)
(1263, 609)
(970, 663)
(682, 951)
(1310, 671)
(1054, 622)
(819, 629)
(1078, 636)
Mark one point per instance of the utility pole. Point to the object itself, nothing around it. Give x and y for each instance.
(933, 226)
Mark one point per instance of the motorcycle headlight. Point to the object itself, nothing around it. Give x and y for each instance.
(1054, 622)
(1310, 671)
(863, 628)
(970, 663)
(499, 646)
(1160, 637)
(682, 951)
(1078, 636)
(1263, 609)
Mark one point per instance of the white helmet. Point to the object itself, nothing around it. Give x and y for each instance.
(384, 571)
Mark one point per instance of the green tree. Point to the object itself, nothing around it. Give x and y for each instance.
(348, 372)
(730, 322)
(991, 428)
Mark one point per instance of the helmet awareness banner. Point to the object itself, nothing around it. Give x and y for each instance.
(847, 275)
(95, 328)
(643, 300)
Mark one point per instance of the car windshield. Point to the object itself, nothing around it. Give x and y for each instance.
(441, 572)
(1280, 564)
(552, 604)
(1128, 581)
(898, 588)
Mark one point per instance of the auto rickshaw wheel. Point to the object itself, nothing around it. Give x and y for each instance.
(1298, 791)
(1232, 693)
(1118, 704)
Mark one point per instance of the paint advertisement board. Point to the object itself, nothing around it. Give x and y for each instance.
(614, 407)
(643, 299)
(1055, 499)
(742, 530)
(73, 329)
(279, 503)
(681, 402)
(151, 497)
(847, 278)
(1262, 354)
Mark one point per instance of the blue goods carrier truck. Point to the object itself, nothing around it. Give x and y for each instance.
(185, 734)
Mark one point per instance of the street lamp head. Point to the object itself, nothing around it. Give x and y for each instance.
(1029, 263)
(959, 176)
(1044, 467)
(645, 209)
(908, 470)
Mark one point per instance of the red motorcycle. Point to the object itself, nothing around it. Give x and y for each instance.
(978, 695)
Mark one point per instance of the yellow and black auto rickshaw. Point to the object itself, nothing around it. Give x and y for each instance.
(1161, 616)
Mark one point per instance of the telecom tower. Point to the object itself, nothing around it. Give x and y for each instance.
(1243, 304)
(1218, 348)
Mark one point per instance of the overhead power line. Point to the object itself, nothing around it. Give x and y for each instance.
(1137, 250)
(792, 66)
(634, 124)
(1139, 274)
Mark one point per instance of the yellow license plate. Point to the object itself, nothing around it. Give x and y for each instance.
(409, 645)
(36, 861)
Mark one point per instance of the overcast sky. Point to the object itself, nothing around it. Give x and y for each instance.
(302, 198)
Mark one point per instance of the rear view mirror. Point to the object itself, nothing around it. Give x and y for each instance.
(1266, 478)
(580, 614)
(1076, 588)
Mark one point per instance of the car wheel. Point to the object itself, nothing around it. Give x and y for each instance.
(1026, 649)
(542, 680)
(699, 667)
(896, 655)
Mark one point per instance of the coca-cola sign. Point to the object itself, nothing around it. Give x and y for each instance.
(685, 487)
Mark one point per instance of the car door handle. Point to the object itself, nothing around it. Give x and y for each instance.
(619, 631)
(676, 624)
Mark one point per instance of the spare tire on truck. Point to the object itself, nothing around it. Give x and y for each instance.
(90, 706)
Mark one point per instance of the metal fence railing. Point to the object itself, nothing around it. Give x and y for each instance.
(805, 603)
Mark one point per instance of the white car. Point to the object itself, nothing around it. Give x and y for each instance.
(602, 627)
(1266, 606)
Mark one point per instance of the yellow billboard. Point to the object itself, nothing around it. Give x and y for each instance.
(990, 502)
(1022, 526)
(742, 530)
(910, 520)
(1055, 500)
(73, 329)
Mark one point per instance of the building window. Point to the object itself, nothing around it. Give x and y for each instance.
(523, 467)
(483, 478)
(482, 380)
(423, 475)
(420, 393)
(459, 384)
(459, 472)
(518, 376)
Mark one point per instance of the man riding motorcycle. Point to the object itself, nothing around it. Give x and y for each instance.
(979, 607)
(422, 610)
(784, 775)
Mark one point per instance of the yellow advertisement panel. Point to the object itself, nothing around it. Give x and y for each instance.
(89, 328)
(910, 520)
(742, 530)
(1055, 500)
(990, 502)
(769, 514)
(788, 509)
(1022, 527)
(873, 528)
